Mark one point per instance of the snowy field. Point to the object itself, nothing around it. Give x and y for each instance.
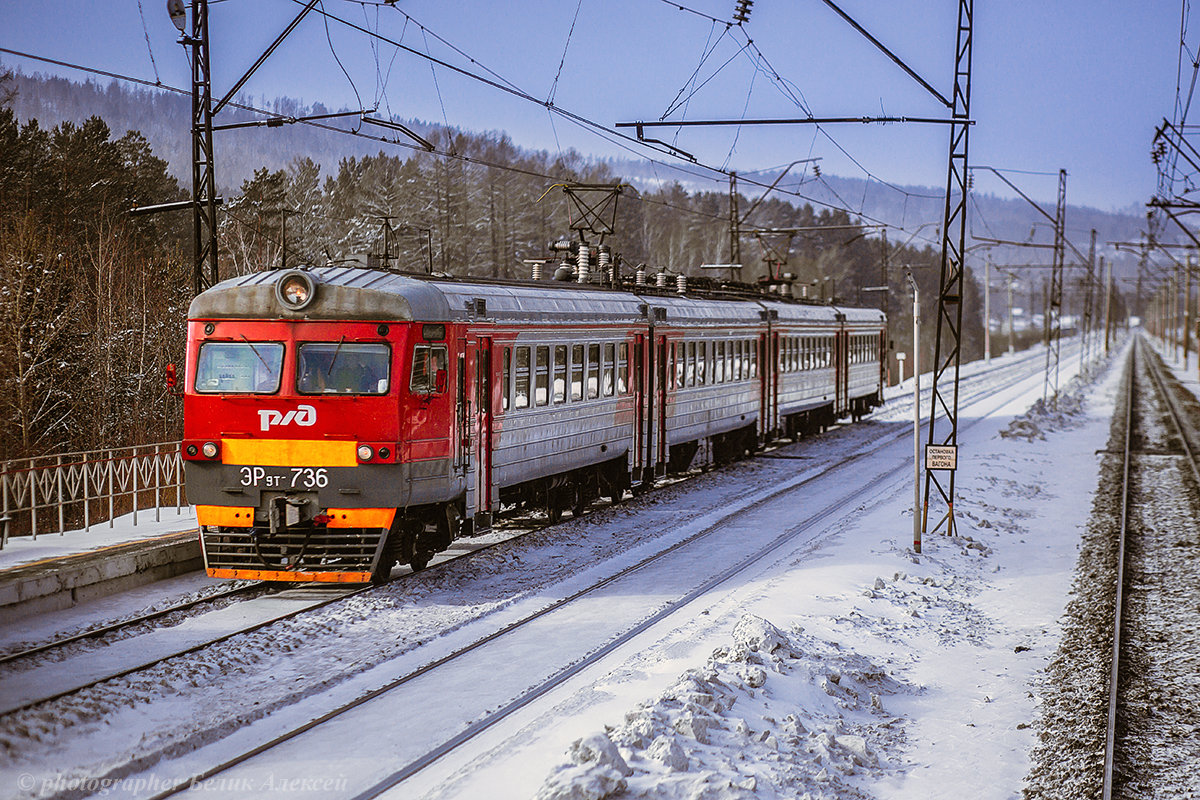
(845, 666)
(856, 669)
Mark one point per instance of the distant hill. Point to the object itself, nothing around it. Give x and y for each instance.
(164, 119)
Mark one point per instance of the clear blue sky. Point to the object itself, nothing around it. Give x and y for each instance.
(1070, 84)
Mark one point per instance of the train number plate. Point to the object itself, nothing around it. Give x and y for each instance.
(284, 477)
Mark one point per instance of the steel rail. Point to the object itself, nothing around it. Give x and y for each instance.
(1110, 734)
(1177, 416)
(567, 672)
(115, 626)
(121, 673)
(1155, 371)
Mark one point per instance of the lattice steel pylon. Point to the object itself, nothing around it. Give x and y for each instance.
(204, 182)
(1085, 352)
(1055, 297)
(735, 233)
(954, 235)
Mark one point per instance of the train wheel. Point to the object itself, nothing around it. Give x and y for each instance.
(579, 503)
(554, 506)
(383, 570)
(414, 548)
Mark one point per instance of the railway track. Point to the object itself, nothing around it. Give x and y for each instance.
(1150, 744)
(975, 389)
(599, 608)
(140, 619)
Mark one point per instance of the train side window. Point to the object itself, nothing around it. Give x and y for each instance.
(753, 350)
(606, 374)
(680, 367)
(738, 355)
(576, 372)
(593, 371)
(690, 368)
(240, 367)
(718, 362)
(506, 379)
(521, 379)
(541, 380)
(560, 373)
(428, 361)
(622, 368)
(701, 362)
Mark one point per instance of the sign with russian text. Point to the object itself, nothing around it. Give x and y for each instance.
(941, 456)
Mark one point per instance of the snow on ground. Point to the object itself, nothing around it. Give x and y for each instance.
(124, 529)
(859, 670)
(852, 668)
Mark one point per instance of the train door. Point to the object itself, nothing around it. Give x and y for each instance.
(661, 377)
(637, 385)
(486, 491)
(841, 374)
(462, 420)
(766, 387)
(883, 363)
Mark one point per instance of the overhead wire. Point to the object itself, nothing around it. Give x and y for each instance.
(595, 127)
(329, 39)
(433, 72)
(737, 132)
(691, 81)
(617, 139)
(149, 49)
(566, 46)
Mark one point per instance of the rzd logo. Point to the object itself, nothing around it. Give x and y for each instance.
(302, 415)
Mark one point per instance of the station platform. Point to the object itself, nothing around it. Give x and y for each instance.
(57, 571)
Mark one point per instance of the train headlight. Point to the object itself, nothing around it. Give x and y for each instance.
(295, 289)
(210, 449)
(365, 452)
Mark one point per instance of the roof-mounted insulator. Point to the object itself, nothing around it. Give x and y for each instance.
(583, 261)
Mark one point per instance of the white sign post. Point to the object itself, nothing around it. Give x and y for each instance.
(900, 363)
(916, 412)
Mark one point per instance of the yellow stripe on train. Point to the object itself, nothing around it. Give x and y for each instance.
(288, 453)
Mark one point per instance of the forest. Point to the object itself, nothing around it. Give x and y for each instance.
(93, 301)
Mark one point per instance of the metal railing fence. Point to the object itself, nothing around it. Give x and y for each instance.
(67, 491)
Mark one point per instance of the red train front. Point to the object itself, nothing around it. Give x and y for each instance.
(296, 390)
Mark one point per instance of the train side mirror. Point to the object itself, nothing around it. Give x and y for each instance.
(172, 381)
(440, 379)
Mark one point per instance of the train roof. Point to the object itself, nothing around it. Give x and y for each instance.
(355, 292)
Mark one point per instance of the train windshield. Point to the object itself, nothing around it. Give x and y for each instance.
(239, 367)
(343, 368)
